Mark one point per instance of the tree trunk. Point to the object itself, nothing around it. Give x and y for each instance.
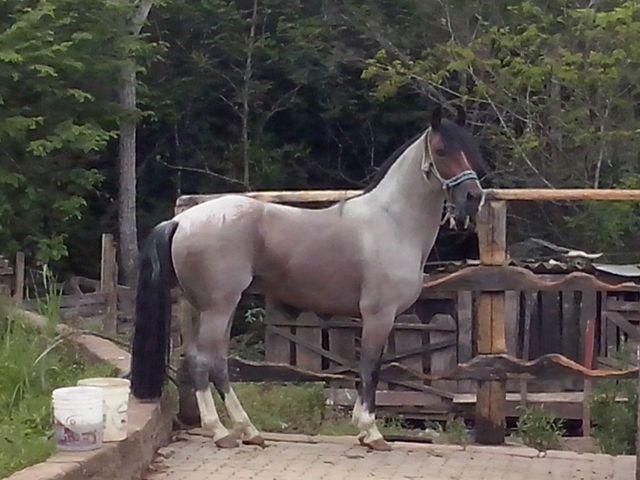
(248, 73)
(127, 227)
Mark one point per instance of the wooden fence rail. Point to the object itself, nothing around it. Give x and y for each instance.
(492, 284)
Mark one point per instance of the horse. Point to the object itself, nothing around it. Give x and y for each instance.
(361, 257)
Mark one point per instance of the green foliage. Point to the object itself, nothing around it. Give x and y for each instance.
(614, 408)
(32, 365)
(455, 431)
(612, 225)
(539, 429)
(554, 87)
(282, 408)
(59, 64)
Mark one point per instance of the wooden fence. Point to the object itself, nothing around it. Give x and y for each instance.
(82, 299)
(469, 326)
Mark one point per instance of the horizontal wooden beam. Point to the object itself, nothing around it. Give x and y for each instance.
(515, 194)
(509, 278)
(563, 195)
(504, 367)
(241, 370)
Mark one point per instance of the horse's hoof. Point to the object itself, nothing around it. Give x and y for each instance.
(379, 445)
(361, 440)
(256, 440)
(227, 442)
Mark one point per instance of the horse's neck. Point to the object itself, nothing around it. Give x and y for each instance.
(413, 202)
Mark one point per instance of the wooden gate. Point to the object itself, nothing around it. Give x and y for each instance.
(432, 338)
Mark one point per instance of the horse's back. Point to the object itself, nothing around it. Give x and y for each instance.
(215, 245)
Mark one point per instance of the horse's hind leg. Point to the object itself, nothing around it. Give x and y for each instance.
(205, 356)
(242, 425)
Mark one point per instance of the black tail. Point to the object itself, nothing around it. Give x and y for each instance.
(153, 313)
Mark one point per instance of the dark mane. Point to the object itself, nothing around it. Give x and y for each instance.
(386, 165)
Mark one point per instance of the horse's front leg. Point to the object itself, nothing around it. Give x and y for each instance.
(375, 332)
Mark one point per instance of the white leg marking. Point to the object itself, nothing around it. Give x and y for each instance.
(366, 423)
(357, 408)
(241, 422)
(209, 415)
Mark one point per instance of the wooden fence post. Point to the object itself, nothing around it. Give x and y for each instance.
(18, 284)
(108, 285)
(491, 399)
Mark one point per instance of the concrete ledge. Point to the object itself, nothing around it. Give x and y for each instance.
(150, 426)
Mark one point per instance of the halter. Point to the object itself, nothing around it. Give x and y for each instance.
(428, 166)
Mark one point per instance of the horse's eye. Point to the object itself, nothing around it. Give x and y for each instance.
(440, 152)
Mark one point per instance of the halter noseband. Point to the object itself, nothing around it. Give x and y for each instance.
(428, 165)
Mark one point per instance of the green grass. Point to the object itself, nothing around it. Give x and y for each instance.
(32, 365)
(298, 409)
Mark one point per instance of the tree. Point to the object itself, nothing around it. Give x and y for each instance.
(553, 86)
(127, 224)
(56, 117)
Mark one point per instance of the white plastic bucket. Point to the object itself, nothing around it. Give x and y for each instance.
(116, 403)
(78, 422)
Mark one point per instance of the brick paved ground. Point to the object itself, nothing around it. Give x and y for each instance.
(198, 459)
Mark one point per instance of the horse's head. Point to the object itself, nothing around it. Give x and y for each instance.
(452, 153)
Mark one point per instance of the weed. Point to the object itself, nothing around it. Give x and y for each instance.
(614, 410)
(455, 431)
(539, 429)
(32, 364)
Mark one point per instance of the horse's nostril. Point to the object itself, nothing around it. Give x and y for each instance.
(471, 196)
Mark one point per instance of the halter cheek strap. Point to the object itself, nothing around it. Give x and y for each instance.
(429, 166)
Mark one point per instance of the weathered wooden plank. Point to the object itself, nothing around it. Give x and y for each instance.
(432, 347)
(312, 346)
(465, 335)
(570, 324)
(347, 323)
(332, 196)
(443, 360)
(343, 342)
(347, 398)
(305, 357)
(490, 413)
(550, 322)
(277, 349)
(613, 303)
(563, 194)
(491, 332)
(490, 323)
(491, 226)
(511, 324)
(627, 327)
(503, 278)
(409, 340)
(73, 301)
(527, 299)
(18, 284)
(588, 313)
(241, 370)
(108, 283)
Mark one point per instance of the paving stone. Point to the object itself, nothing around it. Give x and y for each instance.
(198, 459)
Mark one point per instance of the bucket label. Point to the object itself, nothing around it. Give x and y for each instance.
(73, 435)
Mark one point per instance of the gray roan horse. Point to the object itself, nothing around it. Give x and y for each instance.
(362, 257)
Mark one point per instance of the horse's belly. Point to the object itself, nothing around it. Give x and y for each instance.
(333, 295)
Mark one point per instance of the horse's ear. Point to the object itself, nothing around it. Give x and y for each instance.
(461, 116)
(436, 118)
